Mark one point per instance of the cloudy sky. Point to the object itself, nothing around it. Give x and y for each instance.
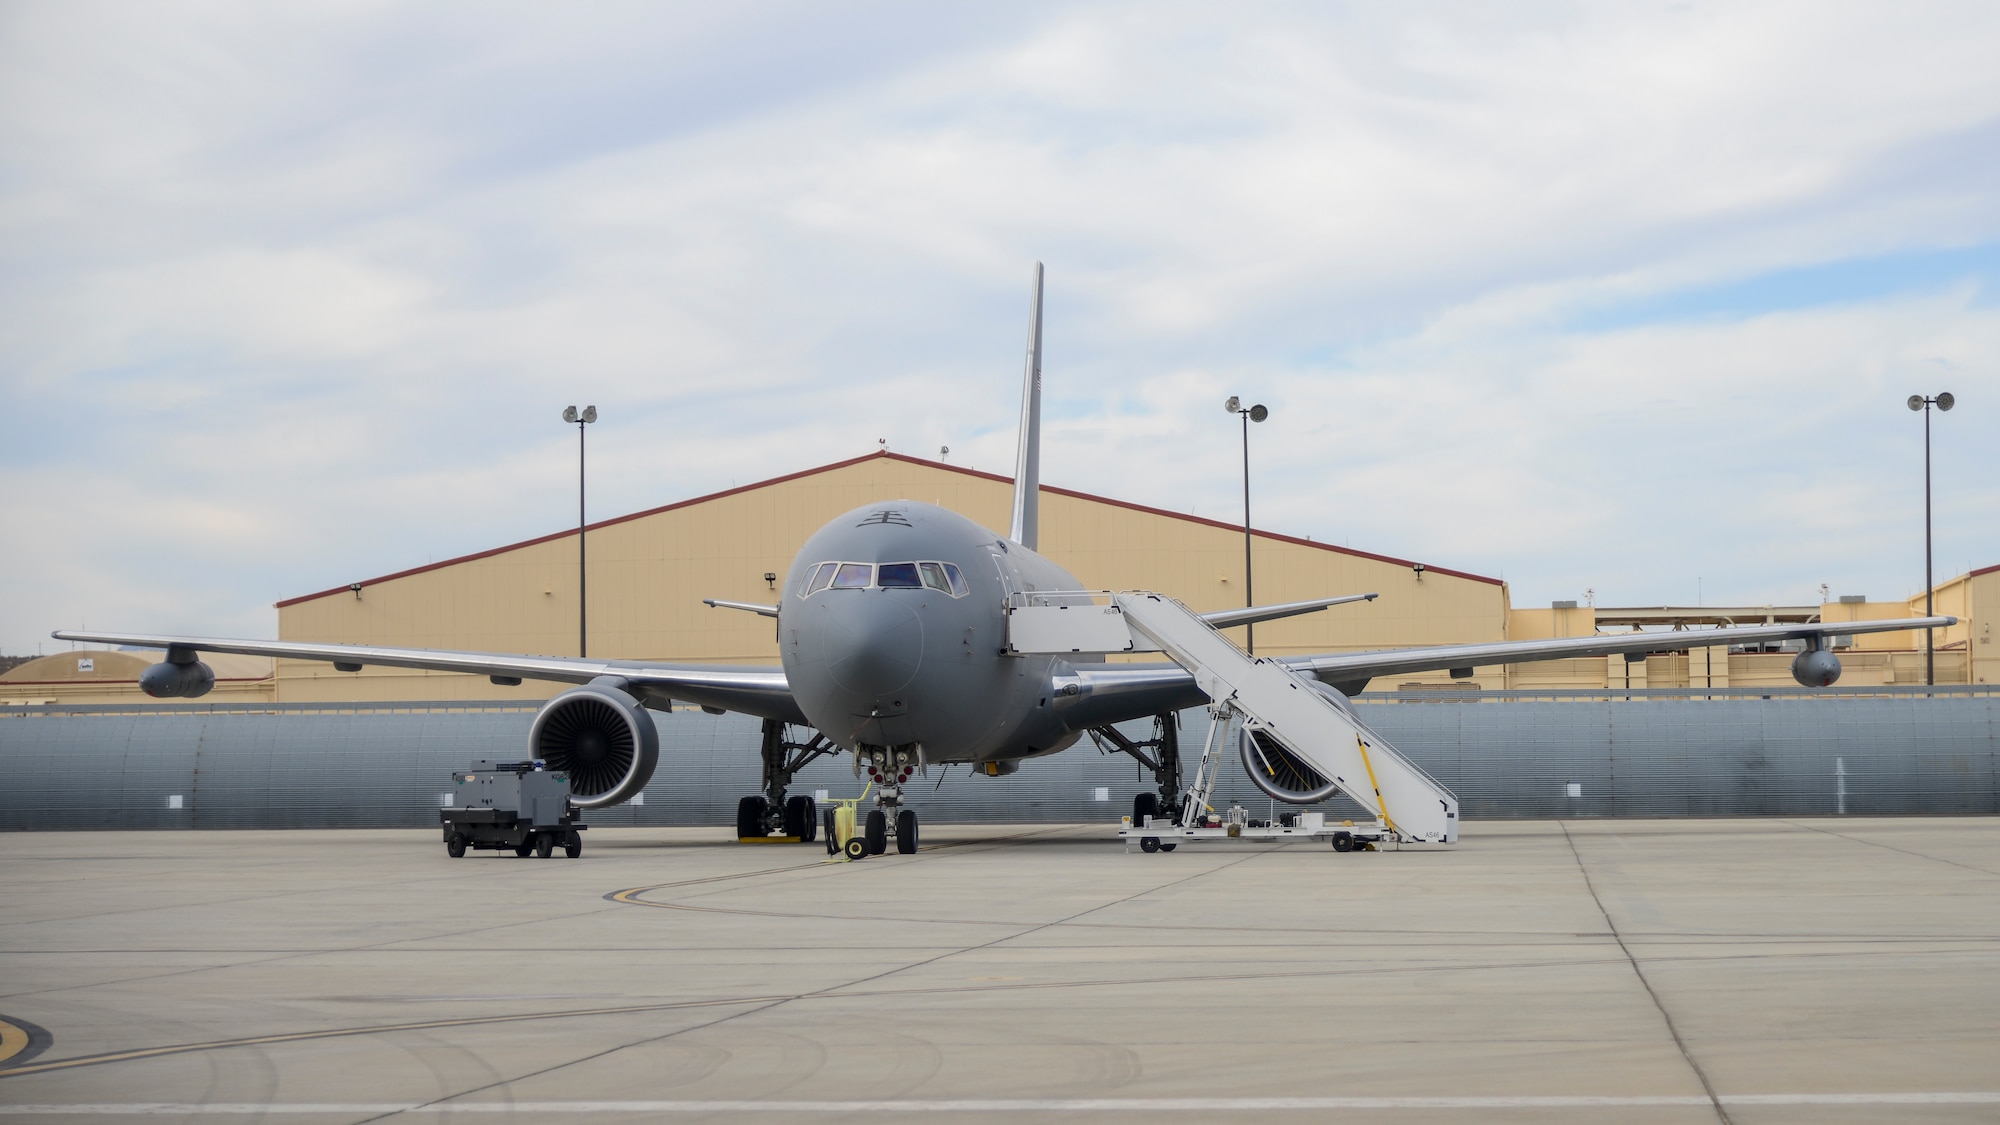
(1590, 297)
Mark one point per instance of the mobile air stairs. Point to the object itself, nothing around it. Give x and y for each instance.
(1298, 739)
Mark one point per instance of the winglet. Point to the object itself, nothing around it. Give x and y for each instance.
(1028, 459)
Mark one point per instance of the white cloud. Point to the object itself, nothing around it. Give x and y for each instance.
(298, 292)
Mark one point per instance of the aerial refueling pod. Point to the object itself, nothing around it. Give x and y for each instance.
(180, 676)
(601, 737)
(1816, 667)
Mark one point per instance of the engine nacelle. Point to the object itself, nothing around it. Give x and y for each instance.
(189, 680)
(1816, 667)
(1280, 774)
(602, 738)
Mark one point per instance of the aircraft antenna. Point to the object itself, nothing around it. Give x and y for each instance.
(1028, 459)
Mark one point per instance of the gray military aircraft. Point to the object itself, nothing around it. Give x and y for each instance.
(893, 637)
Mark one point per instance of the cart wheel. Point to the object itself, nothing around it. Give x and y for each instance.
(877, 832)
(1169, 845)
(523, 848)
(545, 844)
(1343, 841)
(455, 847)
(857, 848)
(1149, 844)
(572, 843)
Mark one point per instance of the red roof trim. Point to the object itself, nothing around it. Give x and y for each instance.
(1271, 535)
(1984, 570)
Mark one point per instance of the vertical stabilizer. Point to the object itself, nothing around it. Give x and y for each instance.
(1028, 459)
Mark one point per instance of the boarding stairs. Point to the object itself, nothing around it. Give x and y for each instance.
(1293, 728)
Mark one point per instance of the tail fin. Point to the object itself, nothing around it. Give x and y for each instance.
(1028, 459)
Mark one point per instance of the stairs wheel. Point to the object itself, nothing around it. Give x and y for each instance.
(906, 832)
(1149, 844)
(1343, 841)
(877, 832)
(749, 817)
(1143, 806)
(1169, 845)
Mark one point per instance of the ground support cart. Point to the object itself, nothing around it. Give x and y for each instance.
(1160, 834)
(519, 807)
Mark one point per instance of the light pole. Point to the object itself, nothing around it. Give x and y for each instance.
(1249, 414)
(588, 416)
(1918, 402)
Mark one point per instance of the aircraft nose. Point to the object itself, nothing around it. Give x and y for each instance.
(874, 642)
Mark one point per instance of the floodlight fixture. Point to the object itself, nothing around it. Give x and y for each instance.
(1943, 401)
(1250, 414)
(580, 420)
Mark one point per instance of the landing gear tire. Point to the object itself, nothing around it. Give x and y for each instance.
(1143, 806)
(1149, 844)
(906, 832)
(750, 818)
(877, 832)
(1343, 842)
(455, 847)
(572, 843)
(545, 845)
(802, 819)
(857, 848)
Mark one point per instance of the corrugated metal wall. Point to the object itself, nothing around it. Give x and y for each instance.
(1891, 751)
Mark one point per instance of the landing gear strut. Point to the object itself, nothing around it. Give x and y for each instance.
(1161, 754)
(775, 813)
(889, 767)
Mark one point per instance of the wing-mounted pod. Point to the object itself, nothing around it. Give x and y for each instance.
(1816, 666)
(180, 676)
(602, 737)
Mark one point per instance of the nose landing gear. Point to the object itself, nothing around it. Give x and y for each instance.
(889, 768)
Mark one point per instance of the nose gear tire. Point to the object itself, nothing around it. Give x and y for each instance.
(906, 832)
(878, 832)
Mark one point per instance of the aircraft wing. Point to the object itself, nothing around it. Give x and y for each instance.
(761, 691)
(1339, 668)
(1111, 693)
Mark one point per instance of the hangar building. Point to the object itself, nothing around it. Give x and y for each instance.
(649, 571)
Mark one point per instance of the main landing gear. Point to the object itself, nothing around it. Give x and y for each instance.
(1160, 754)
(775, 815)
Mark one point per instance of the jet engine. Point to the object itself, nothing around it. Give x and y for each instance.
(602, 738)
(1280, 774)
(182, 678)
(1816, 667)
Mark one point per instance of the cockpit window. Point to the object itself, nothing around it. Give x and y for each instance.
(819, 578)
(898, 576)
(934, 577)
(943, 577)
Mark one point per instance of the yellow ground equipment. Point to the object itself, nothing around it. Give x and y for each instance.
(843, 836)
